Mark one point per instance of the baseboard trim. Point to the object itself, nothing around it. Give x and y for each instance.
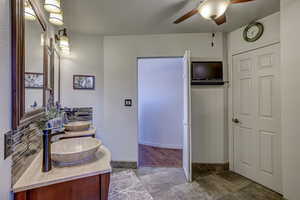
(215, 167)
(123, 164)
(167, 146)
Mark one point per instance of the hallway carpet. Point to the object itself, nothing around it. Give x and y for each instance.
(150, 156)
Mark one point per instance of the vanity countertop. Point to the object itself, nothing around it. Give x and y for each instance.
(33, 177)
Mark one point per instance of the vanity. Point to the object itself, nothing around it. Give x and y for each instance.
(70, 169)
(88, 181)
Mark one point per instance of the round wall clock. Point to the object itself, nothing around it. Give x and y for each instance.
(253, 32)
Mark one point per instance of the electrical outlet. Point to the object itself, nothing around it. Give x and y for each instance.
(8, 144)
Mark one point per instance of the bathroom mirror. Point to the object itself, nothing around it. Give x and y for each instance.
(49, 84)
(54, 73)
(29, 61)
(34, 65)
(56, 76)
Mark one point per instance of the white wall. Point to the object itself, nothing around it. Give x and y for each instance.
(271, 35)
(208, 121)
(86, 59)
(160, 97)
(120, 81)
(290, 70)
(5, 94)
(237, 45)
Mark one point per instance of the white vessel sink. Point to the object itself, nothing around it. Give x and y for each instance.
(77, 126)
(73, 150)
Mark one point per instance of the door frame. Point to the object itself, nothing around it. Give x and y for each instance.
(137, 96)
(231, 99)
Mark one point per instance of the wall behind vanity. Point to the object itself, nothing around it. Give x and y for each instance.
(86, 58)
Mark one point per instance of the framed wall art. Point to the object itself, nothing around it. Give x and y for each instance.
(34, 80)
(83, 82)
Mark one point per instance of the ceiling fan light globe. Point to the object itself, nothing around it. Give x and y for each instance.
(213, 9)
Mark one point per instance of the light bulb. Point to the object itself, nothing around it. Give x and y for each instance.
(56, 19)
(213, 9)
(64, 42)
(52, 6)
(29, 12)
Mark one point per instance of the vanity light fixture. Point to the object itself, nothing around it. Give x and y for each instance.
(63, 41)
(56, 18)
(52, 6)
(29, 12)
(213, 9)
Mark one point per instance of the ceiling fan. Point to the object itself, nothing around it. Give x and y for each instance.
(212, 10)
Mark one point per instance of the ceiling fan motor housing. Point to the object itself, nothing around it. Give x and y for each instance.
(213, 9)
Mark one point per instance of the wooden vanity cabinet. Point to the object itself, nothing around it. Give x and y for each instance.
(89, 188)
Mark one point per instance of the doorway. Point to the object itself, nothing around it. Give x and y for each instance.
(160, 112)
(256, 122)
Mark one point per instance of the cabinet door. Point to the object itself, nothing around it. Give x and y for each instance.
(90, 188)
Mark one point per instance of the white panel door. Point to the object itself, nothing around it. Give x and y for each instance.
(257, 147)
(245, 145)
(187, 150)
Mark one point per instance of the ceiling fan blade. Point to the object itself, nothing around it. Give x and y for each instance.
(186, 16)
(240, 1)
(220, 20)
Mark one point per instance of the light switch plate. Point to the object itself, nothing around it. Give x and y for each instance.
(128, 102)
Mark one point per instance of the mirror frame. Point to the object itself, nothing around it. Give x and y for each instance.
(19, 116)
(49, 66)
(56, 52)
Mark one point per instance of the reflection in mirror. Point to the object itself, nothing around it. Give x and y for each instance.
(49, 70)
(56, 70)
(34, 65)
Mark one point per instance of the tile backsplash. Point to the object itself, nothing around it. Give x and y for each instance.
(79, 114)
(26, 142)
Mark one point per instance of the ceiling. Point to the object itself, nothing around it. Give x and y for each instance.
(119, 17)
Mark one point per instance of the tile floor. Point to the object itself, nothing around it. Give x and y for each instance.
(170, 184)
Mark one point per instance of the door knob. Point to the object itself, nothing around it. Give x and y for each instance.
(236, 121)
